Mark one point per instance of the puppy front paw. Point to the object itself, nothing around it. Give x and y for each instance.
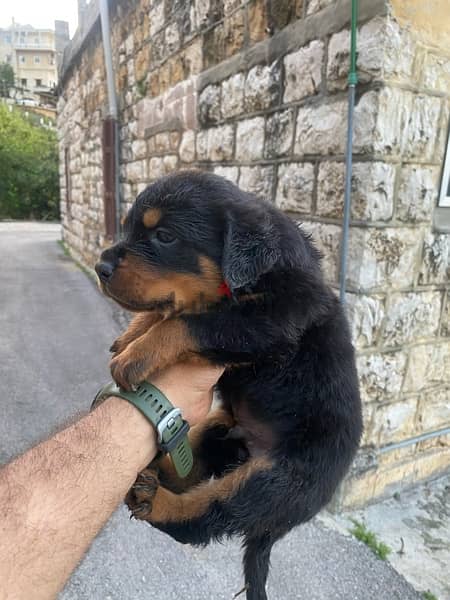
(118, 346)
(140, 497)
(129, 368)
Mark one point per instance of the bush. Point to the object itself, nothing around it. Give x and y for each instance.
(29, 180)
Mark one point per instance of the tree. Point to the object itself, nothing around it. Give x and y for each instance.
(6, 79)
(29, 180)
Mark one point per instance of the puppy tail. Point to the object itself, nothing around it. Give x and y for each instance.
(256, 566)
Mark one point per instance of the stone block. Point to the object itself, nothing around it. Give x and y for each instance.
(250, 139)
(417, 193)
(321, 129)
(142, 63)
(224, 40)
(434, 410)
(397, 122)
(445, 323)
(162, 142)
(230, 173)
(327, 239)
(202, 144)
(174, 137)
(170, 163)
(200, 11)
(187, 147)
(371, 54)
(283, 12)
(303, 72)
(435, 266)
(399, 53)
(156, 168)
(192, 58)
(428, 365)
(172, 37)
(396, 421)
(316, 5)
(436, 73)
(156, 16)
(366, 315)
(279, 133)
(380, 257)
(258, 20)
(216, 144)
(262, 87)
(338, 60)
(209, 105)
(365, 122)
(138, 149)
(257, 180)
(411, 317)
(230, 5)
(233, 96)
(422, 131)
(295, 185)
(136, 171)
(381, 375)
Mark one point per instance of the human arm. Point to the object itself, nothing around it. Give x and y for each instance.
(56, 497)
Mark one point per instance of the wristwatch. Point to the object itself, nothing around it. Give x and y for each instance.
(170, 426)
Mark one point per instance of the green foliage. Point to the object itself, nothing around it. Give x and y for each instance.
(366, 536)
(6, 79)
(29, 180)
(429, 596)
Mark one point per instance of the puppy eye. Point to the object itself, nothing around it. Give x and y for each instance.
(164, 236)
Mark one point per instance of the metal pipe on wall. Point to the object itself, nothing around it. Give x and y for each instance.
(352, 81)
(111, 174)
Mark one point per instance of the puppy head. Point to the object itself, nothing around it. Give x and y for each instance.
(189, 239)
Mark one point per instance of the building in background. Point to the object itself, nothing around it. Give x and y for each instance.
(34, 54)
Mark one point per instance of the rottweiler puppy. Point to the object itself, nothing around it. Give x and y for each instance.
(221, 275)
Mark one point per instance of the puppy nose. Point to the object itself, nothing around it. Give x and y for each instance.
(104, 270)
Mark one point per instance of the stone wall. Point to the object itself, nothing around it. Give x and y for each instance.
(256, 92)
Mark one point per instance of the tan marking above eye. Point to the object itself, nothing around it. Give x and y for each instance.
(151, 217)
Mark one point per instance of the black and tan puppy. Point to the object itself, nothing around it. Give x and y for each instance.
(219, 274)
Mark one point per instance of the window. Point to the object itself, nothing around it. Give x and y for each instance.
(37, 60)
(38, 82)
(23, 82)
(22, 59)
(8, 58)
(51, 60)
(444, 196)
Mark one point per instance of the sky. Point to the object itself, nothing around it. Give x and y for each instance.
(39, 13)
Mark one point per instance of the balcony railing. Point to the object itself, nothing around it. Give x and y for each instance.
(41, 46)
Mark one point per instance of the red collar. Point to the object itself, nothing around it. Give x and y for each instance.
(224, 290)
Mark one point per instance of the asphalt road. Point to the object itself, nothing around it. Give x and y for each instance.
(55, 329)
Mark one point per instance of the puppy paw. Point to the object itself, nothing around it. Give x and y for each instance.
(119, 345)
(140, 497)
(128, 369)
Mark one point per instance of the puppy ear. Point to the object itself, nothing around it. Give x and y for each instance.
(251, 248)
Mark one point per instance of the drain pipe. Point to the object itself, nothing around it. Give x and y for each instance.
(352, 82)
(110, 136)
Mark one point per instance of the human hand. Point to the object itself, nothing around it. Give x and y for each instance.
(189, 387)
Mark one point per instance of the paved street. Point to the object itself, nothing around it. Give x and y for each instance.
(55, 329)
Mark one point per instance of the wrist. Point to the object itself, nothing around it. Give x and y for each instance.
(131, 430)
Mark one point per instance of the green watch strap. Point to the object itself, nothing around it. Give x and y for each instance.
(172, 429)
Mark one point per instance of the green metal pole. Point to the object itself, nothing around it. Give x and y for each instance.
(352, 82)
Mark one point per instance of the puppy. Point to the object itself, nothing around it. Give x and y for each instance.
(218, 274)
